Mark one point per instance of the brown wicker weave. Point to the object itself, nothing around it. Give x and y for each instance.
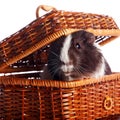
(47, 28)
(25, 97)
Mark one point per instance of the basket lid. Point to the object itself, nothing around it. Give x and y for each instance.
(22, 46)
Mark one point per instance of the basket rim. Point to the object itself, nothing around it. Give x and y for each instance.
(10, 80)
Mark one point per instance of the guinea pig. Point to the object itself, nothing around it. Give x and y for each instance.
(75, 56)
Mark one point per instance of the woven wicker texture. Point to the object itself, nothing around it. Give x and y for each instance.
(49, 27)
(25, 97)
(53, 100)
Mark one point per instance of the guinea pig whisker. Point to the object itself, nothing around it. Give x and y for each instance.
(77, 70)
(54, 53)
(53, 60)
(84, 67)
(81, 70)
(54, 70)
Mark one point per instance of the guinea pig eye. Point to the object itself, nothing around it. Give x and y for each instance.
(78, 46)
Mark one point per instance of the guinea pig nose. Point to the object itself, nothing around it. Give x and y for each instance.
(62, 63)
(69, 63)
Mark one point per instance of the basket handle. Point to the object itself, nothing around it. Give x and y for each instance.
(45, 8)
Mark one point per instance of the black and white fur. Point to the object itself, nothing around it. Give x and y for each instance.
(75, 56)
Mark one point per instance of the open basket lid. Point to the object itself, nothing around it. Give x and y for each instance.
(27, 48)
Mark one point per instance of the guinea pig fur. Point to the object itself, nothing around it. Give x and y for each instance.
(75, 56)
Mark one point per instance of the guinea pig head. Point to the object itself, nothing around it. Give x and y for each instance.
(73, 56)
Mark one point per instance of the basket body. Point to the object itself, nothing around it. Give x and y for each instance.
(26, 97)
(54, 100)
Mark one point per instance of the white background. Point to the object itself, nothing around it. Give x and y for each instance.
(16, 14)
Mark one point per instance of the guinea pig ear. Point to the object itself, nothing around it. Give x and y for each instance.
(90, 38)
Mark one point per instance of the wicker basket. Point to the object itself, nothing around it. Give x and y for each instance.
(22, 58)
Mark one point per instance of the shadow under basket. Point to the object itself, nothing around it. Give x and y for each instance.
(24, 96)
